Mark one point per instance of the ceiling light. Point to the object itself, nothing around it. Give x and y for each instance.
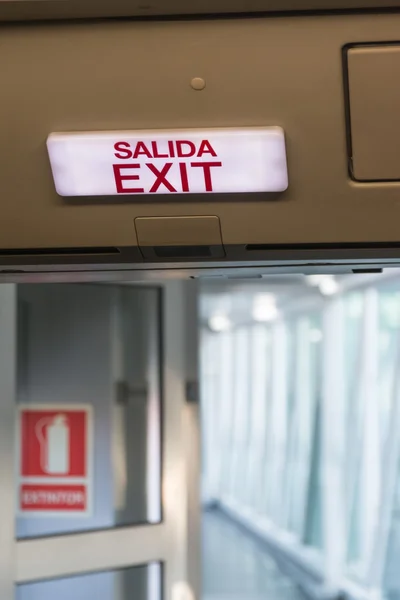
(328, 286)
(264, 308)
(315, 280)
(219, 323)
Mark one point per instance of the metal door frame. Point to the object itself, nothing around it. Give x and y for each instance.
(64, 555)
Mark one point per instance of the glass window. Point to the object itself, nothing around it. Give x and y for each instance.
(354, 406)
(311, 513)
(389, 325)
(313, 535)
(391, 582)
(290, 424)
(88, 413)
(140, 583)
(242, 409)
(305, 375)
(260, 380)
(388, 381)
(266, 490)
(225, 414)
(276, 438)
(314, 418)
(210, 399)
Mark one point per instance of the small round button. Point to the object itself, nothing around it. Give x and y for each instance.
(198, 83)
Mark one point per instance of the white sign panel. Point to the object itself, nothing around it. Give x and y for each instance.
(214, 161)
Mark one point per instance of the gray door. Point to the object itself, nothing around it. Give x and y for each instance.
(114, 357)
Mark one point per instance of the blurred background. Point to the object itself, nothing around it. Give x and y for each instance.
(301, 430)
(299, 421)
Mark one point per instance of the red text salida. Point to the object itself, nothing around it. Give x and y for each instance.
(126, 173)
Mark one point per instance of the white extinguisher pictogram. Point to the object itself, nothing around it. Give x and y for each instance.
(54, 439)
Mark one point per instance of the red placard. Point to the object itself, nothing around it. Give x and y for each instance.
(53, 443)
(54, 450)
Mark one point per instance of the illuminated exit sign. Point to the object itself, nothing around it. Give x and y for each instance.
(214, 161)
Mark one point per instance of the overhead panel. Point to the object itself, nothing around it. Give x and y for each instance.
(374, 116)
(149, 80)
(16, 10)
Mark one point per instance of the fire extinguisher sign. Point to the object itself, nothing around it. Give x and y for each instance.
(54, 460)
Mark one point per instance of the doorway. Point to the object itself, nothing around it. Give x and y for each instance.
(93, 490)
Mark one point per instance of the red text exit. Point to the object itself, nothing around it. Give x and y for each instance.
(174, 162)
(165, 174)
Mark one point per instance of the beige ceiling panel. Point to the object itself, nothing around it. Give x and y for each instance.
(122, 75)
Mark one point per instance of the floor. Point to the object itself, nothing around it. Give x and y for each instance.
(237, 567)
